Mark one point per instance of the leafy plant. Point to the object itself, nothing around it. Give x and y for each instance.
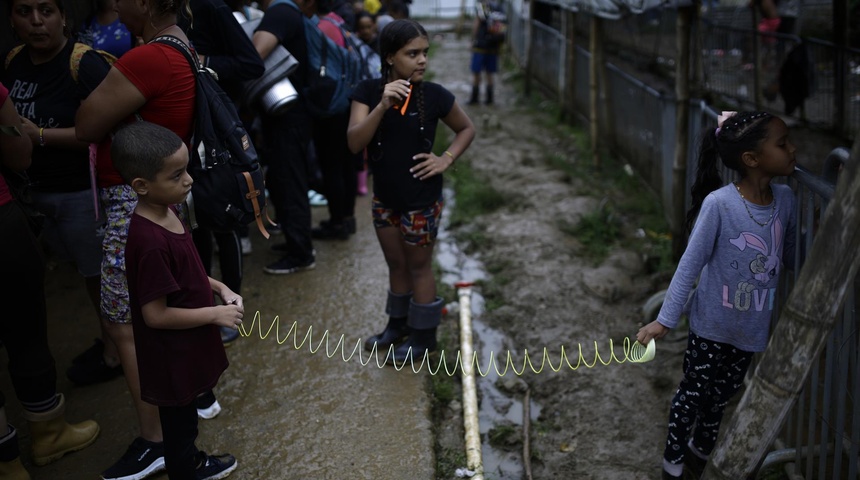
(596, 231)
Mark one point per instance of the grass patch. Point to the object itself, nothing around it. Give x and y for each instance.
(493, 288)
(474, 196)
(448, 460)
(597, 231)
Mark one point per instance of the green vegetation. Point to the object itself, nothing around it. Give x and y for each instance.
(630, 212)
(448, 460)
(492, 288)
(597, 231)
(474, 196)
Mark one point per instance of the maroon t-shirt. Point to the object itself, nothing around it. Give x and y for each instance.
(175, 365)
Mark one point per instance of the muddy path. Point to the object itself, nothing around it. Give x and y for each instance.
(604, 422)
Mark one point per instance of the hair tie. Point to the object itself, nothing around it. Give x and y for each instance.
(721, 118)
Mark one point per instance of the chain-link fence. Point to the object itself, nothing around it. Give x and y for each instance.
(821, 438)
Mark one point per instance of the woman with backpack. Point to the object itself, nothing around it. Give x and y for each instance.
(130, 91)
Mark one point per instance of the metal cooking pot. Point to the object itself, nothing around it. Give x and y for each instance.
(273, 91)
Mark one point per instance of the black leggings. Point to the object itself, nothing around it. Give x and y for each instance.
(713, 373)
(229, 255)
(24, 323)
(179, 425)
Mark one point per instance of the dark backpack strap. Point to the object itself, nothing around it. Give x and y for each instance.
(183, 48)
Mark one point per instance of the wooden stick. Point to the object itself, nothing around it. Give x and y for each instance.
(527, 457)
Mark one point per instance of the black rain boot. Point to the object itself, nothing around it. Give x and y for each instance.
(476, 91)
(489, 98)
(423, 320)
(397, 307)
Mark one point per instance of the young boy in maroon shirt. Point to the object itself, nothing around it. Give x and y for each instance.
(175, 320)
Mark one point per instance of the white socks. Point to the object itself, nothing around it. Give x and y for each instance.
(695, 450)
(672, 469)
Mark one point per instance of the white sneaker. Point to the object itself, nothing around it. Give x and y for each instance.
(209, 412)
(317, 199)
(246, 245)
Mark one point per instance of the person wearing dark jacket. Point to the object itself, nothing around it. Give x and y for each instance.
(225, 48)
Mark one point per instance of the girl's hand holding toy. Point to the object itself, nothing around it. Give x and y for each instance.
(396, 93)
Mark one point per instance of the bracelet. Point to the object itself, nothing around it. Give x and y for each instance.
(42, 136)
(450, 155)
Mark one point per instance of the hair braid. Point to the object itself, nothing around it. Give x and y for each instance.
(742, 132)
(377, 137)
(421, 108)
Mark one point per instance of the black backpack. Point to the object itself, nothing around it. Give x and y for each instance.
(228, 188)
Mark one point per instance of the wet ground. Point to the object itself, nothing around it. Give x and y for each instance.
(287, 413)
(291, 414)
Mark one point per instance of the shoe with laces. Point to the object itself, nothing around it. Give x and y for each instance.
(289, 265)
(213, 467)
(142, 459)
(317, 199)
(89, 367)
(207, 406)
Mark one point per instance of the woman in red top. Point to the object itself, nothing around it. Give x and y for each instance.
(23, 325)
(155, 82)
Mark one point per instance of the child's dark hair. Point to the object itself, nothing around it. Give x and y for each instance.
(398, 9)
(395, 36)
(139, 149)
(171, 7)
(61, 6)
(742, 132)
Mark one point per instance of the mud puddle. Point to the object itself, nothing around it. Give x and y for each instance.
(500, 403)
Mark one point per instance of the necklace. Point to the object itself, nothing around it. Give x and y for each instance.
(158, 33)
(744, 200)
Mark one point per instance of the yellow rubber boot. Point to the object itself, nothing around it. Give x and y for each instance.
(53, 437)
(10, 460)
(13, 470)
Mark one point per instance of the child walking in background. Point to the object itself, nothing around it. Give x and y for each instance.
(175, 320)
(396, 119)
(741, 241)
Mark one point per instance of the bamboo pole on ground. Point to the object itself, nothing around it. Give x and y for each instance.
(527, 455)
(474, 461)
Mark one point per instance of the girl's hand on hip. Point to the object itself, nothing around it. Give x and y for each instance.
(394, 93)
(429, 165)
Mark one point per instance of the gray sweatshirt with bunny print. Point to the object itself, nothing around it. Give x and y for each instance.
(739, 261)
